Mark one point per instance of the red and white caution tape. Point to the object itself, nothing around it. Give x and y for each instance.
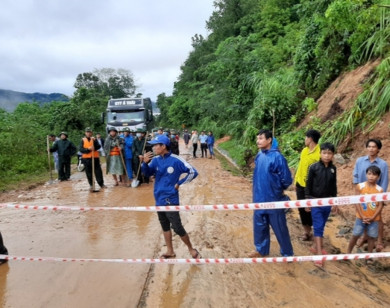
(313, 258)
(217, 207)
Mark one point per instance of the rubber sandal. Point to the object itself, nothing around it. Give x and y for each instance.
(197, 255)
(313, 250)
(319, 264)
(166, 256)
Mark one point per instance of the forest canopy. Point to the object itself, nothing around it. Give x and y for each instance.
(265, 62)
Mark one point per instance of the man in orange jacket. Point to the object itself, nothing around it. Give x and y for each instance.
(89, 147)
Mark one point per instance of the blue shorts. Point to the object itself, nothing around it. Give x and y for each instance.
(319, 216)
(372, 228)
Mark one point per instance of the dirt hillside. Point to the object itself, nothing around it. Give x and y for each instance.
(341, 94)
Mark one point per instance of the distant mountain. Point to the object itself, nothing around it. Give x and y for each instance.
(10, 99)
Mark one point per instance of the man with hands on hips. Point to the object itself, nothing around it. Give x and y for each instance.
(167, 169)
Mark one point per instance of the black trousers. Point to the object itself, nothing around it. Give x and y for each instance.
(203, 147)
(98, 170)
(306, 219)
(63, 167)
(195, 146)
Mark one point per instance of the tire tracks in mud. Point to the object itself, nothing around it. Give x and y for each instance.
(145, 290)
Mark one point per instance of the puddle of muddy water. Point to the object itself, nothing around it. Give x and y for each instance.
(74, 234)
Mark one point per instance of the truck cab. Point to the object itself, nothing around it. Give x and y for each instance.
(129, 112)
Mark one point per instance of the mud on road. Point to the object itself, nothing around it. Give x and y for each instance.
(223, 234)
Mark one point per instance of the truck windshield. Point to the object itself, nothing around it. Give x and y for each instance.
(125, 116)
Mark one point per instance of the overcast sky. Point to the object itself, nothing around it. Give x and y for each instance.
(45, 44)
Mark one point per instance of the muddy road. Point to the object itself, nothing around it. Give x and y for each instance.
(223, 234)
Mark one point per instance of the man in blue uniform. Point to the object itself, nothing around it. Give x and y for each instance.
(167, 169)
(270, 178)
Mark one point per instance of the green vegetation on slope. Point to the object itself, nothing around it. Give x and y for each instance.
(265, 62)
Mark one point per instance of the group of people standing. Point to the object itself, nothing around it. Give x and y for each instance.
(206, 142)
(173, 137)
(315, 178)
(121, 152)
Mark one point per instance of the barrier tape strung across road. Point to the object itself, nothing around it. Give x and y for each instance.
(340, 257)
(345, 200)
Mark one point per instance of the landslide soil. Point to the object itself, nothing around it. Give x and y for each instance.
(122, 234)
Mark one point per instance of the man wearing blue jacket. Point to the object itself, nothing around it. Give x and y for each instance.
(270, 178)
(167, 169)
(128, 146)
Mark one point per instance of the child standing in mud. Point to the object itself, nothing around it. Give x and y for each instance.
(167, 168)
(373, 147)
(321, 183)
(368, 214)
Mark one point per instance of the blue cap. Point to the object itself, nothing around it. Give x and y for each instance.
(160, 139)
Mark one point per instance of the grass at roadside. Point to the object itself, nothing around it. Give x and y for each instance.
(234, 150)
(13, 180)
(236, 153)
(227, 165)
(24, 181)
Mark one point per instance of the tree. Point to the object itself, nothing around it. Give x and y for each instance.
(164, 103)
(119, 83)
(108, 81)
(88, 81)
